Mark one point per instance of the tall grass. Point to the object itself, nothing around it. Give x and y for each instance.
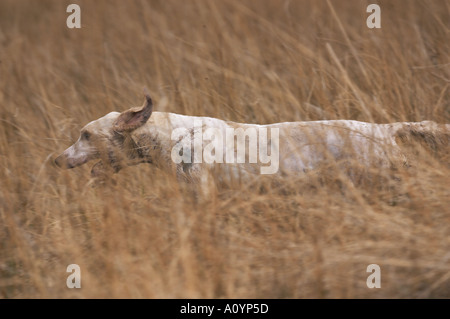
(144, 235)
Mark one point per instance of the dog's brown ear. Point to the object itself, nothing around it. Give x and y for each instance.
(135, 117)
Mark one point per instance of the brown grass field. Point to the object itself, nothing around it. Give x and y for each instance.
(143, 234)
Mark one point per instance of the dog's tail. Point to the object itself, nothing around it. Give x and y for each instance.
(425, 136)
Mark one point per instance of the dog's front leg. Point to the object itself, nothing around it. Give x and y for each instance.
(98, 170)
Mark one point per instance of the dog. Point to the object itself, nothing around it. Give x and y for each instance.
(169, 140)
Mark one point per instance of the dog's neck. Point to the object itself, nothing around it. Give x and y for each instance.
(149, 147)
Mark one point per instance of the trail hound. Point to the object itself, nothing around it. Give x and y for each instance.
(180, 143)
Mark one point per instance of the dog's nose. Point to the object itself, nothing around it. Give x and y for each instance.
(59, 161)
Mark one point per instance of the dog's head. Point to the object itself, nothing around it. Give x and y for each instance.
(100, 138)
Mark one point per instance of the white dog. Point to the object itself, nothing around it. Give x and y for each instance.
(169, 141)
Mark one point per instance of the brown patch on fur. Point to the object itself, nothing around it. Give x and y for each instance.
(416, 139)
(135, 117)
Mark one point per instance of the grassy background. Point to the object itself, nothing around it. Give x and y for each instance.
(143, 235)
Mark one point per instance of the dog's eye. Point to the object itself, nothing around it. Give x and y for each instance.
(86, 136)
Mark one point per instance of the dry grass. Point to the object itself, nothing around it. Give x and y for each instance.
(255, 61)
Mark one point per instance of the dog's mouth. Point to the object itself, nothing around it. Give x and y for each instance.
(66, 163)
